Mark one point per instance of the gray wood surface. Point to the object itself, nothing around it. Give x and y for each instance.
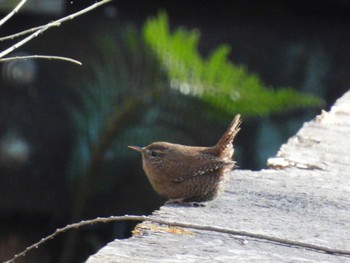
(304, 197)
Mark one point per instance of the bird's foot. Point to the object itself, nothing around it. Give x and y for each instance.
(180, 202)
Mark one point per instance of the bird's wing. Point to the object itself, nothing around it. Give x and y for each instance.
(209, 168)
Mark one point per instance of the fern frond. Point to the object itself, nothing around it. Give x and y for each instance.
(214, 79)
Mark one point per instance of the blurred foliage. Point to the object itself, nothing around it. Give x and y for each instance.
(218, 82)
(121, 71)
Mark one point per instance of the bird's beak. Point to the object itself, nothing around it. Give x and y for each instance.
(136, 148)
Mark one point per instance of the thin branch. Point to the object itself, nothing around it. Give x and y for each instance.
(277, 240)
(14, 11)
(51, 24)
(42, 57)
(24, 32)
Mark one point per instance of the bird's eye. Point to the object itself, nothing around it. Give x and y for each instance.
(153, 153)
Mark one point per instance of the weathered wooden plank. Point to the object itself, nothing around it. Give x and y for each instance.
(307, 200)
(324, 142)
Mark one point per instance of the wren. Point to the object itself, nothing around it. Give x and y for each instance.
(189, 173)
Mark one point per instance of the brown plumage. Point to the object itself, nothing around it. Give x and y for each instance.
(189, 173)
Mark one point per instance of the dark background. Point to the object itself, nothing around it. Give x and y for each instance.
(302, 44)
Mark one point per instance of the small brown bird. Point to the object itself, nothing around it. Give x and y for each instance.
(189, 173)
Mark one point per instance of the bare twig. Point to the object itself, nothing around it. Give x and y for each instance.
(21, 33)
(42, 57)
(61, 20)
(14, 11)
(277, 240)
(51, 24)
(25, 32)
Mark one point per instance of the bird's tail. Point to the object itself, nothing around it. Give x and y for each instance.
(227, 139)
